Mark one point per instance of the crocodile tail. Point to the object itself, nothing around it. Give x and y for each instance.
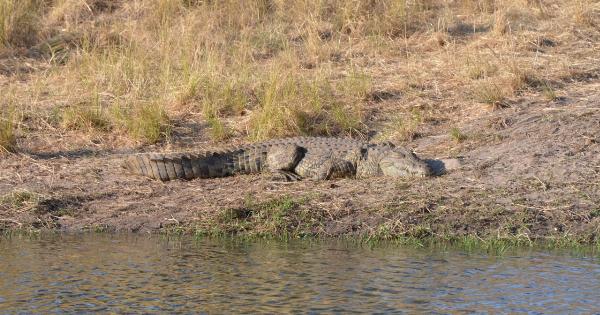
(150, 165)
(167, 167)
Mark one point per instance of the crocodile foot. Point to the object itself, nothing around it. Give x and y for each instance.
(284, 176)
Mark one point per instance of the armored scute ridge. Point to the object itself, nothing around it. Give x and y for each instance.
(289, 159)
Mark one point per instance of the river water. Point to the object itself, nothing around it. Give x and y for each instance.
(141, 274)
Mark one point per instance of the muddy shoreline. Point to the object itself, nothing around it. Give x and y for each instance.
(531, 171)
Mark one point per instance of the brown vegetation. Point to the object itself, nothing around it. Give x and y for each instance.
(117, 73)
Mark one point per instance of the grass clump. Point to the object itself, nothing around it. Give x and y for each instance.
(406, 127)
(149, 123)
(87, 118)
(276, 115)
(8, 140)
(520, 77)
(289, 105)
(281, 217)
(548, 92)
(479, 67)
(218, 100)
(489, 93)
(145, 122)
(218, 130)
(19, 22)
(457, 135)
(19, 198)
(583, 14)
(223, 99)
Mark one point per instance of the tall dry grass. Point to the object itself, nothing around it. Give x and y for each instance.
(20, 22)
(8, 142)
(269, 68)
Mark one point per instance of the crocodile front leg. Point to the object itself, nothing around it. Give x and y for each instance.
(325, 166)
(282, 160)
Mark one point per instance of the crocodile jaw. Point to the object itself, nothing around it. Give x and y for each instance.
(401, 170)
(402, 164)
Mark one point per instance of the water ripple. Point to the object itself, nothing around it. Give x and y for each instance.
(125, 274)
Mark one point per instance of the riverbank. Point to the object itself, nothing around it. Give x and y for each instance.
(521, 109)
(527, 177)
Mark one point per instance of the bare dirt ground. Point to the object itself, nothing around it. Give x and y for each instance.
(531, 170)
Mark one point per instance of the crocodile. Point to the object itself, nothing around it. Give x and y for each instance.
(287, 159)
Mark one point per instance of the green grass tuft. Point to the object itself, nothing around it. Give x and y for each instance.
(149, 123)
(281, 217)
(85, 118)
(218, 130)
(19, 198)
(457, 135)
(145, 122)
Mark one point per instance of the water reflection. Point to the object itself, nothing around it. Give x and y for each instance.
(140, 274)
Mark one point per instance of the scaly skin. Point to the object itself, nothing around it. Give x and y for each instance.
(290, 158)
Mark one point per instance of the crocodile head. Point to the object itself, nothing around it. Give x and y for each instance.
(400, 162)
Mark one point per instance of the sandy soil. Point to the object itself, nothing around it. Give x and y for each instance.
(531, 170)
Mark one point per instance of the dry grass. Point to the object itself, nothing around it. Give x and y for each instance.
(405, 127)
(84, 118)
(489, 92)
(549, 92)
(20, 22)
(8, 141)
(289, 105)
(128, 71)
